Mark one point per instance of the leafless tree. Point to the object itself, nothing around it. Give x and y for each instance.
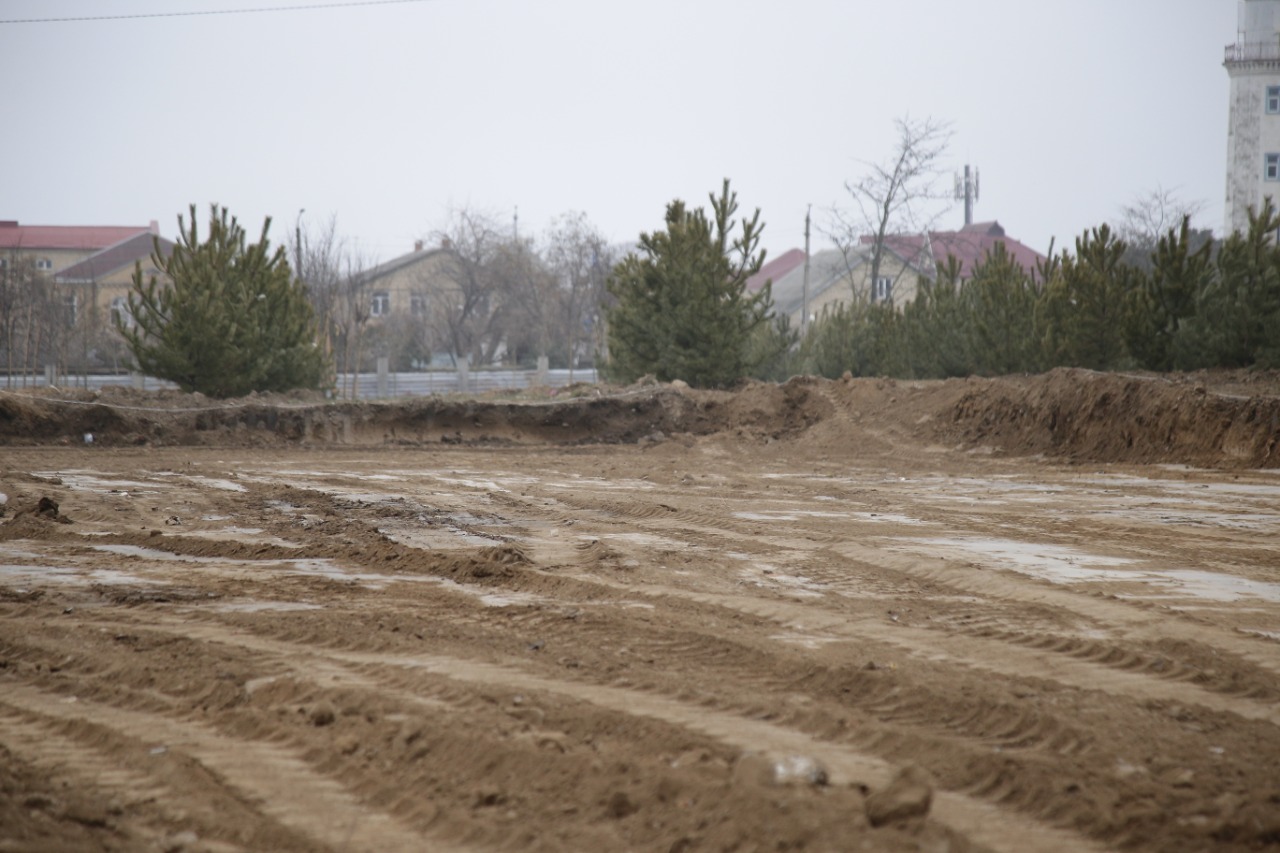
(580, 258)
(469, 313)
(332, 269)
(1151, 215)
(904, 194)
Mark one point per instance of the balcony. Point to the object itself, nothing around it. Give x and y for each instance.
(1253, 52)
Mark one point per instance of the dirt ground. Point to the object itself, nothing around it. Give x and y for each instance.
(1022, 614)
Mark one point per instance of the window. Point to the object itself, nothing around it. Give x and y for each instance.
(381, 305)
(418, 304)
(1273, 167)
(44, 264)
(1273, 100)
(884, 289)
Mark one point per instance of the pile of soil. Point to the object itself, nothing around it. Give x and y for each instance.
(1215, 420)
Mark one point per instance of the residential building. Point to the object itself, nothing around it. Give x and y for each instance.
(835, 276)
(1253, 128)
(55, 247)
(104, 278)
(970, 246)
(406, 285)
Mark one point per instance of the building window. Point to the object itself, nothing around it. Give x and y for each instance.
(44, 264)
(381, 305)
(1273, 100)
(1273, 167)
(884, 289)
(418, 304)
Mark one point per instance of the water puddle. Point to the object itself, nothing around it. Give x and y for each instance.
(1064, 565)
(82, 482)
(27, 575)
(787, 515)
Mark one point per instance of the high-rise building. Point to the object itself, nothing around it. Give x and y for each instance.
(1253, 133)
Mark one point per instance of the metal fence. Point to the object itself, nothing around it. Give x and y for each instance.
(367, 386)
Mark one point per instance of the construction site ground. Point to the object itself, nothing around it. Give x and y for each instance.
(1020, 614)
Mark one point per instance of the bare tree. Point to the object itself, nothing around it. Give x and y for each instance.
(1152, 215)
(332, 269)
(469, 313)
(901, 195)
(580, 258)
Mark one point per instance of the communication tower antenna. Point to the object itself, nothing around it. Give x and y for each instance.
(967, 191)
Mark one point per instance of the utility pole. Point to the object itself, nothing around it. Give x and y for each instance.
(967, 190)
(804, 317)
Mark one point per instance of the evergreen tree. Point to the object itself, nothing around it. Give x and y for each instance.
(1237, 322)
(233, 319)
(1001, 298)
(936, 325)
(864, 338)
(1082, 309)
(1165, 297)
(682, 308)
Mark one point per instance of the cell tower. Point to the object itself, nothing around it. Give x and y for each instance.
(967, 191)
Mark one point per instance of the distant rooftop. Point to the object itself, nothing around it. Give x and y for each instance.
(68, 237)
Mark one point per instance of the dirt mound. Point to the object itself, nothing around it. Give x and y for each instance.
(1218, 420)
(1104, 417)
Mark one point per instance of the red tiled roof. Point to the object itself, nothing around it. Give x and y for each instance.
(970, 246)
(83, 237)
(775, 269)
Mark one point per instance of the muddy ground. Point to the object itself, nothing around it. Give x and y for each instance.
(1023, 614)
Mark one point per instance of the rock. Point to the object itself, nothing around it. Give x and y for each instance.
(620, 805)
(908, 796)
(46, 508)
(322, 714)
(679, 384)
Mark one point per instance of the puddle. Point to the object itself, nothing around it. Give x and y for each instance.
(78, 482)
(1060, 564)
(787, 515)
(36, 575)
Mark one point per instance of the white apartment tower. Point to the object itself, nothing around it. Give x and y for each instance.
(1253, 133)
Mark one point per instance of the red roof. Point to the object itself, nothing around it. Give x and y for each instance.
(775, 269)
(53, 237)
(970, 246)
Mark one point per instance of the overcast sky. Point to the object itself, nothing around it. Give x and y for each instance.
(388, 116)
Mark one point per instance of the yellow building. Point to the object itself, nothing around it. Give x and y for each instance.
(90, 265)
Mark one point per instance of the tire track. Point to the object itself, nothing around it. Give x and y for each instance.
(281, 785)
(999, 829)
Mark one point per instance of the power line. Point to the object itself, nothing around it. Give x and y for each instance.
(302, 8)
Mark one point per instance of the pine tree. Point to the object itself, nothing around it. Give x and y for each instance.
(936, 324)
(683, 310)
(232, 320)
(1082, 309)
(1001, 299)
(1237, 322)
(1165, 297)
